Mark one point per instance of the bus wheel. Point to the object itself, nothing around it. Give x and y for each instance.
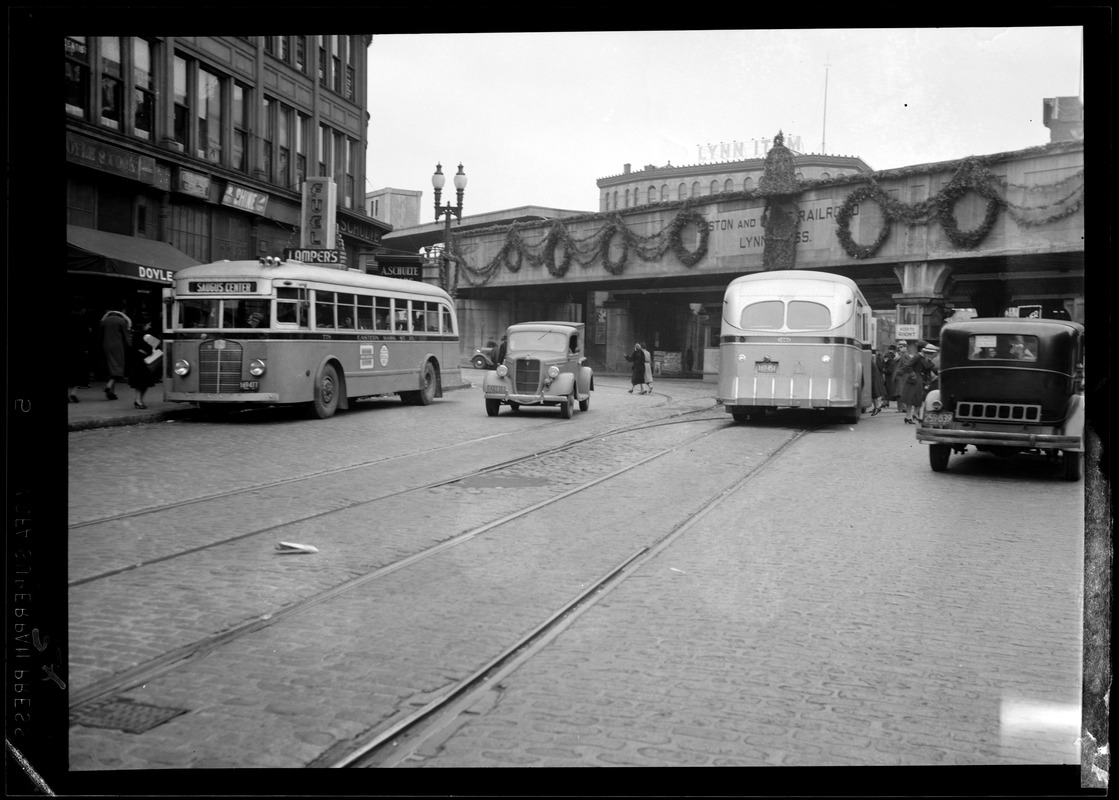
(326, 393)
(492, 407)
(938, 456)
(1071, 464)
(426, 394)
(566, 407)
(740, 416)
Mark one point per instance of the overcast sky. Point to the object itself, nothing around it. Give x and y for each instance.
(537, 118)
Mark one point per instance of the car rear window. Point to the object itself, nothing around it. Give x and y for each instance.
(1002, 347)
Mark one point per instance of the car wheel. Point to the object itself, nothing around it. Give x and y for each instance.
(479, 362)
(584, 404)
(492, 407)
(326, 393)
(938, 457)
(1071, 463)
(567, 406)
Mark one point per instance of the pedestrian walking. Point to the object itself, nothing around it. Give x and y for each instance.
(877, 385)
(637, 371)
(501, 348)
(889, 372)
(77, 362)
(142, 374)
(912, 375)
(648, 367)
(115, 343)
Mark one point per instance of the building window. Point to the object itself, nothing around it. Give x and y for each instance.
(301, 53)
(209, 116)
(695, 189)
(351, 177)
(77, 76)
(651, 195)
(322, 61)
(112, 83)
(824, 175)
(285, 49)
(341, 157)
(627, 198)
(324, 147)
(664, 192)
(747, 184)
(143, 89)
(283, 142)
(270, 44)
(682, 191)
(729, 185)
(714, 187)
(301, 149)
(615, 199)
(266, 136)
(240, 127)
(182, 100)
(336, 63)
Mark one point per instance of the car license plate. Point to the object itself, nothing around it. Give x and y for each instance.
(937, 418)
(765, 366)
(251, 386)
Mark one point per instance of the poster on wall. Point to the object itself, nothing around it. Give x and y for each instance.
(600, 326)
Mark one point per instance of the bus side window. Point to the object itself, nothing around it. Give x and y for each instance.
(324, 309)
(364, 313)
(289, 309)
(346, 311)
(383, 313)
(448, 326)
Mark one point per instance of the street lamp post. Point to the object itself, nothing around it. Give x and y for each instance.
(437, 180)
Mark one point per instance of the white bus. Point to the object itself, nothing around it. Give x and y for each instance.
(274, 332)
(794, 338)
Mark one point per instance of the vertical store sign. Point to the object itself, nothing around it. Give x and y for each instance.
(318, 227)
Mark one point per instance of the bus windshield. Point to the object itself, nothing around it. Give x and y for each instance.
(226, 312)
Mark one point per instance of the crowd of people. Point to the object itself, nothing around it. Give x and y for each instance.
(903, 374)
(126, 348)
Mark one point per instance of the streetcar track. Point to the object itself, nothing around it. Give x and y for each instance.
(359, 503)
(466, 692)
(145, 672)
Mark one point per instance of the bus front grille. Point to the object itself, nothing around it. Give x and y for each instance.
(998, 412)
(219, 369)
(526, 375)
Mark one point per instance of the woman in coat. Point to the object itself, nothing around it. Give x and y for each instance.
(116, 330)
(914, 371)
(877, 385)
(637, 372)
(141, 375)
(648, 367)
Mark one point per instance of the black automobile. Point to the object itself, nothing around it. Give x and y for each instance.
(1008, 386)
(485, 357)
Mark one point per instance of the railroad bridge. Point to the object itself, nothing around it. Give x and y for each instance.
(987, 233)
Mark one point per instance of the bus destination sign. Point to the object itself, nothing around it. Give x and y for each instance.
(311, 255)
(222, 287)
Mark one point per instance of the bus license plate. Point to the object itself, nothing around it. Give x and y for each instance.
(250, 386)
(765, 366)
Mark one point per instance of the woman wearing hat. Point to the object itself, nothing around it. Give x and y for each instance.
(914, 371)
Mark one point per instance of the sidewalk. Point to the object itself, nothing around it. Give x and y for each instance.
(93, 410)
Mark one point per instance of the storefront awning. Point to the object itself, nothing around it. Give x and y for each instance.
(110, 254)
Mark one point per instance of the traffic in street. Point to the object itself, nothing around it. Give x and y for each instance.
(648, 583)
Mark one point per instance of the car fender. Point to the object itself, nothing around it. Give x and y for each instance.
(932, 397)
(1074, 422)
(563, 384)
(586, 380)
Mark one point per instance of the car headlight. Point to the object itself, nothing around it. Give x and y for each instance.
(256, 368)
(502, 371)
(182, 367)
(553, 372)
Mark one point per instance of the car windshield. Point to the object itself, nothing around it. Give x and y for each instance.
(548, 341)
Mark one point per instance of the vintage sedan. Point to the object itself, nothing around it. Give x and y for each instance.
(485, 357)
(1008, 386)
(544, 366)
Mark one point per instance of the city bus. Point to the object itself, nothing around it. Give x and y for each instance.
(794, 338)
(276, 332)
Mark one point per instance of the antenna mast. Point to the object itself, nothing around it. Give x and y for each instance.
(824, 134)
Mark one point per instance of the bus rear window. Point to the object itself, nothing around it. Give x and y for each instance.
(766, 315)
(808, 316)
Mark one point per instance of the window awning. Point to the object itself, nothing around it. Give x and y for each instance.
(111, 254)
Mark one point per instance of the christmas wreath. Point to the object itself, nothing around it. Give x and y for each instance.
(843, 222)
(946, 210)
(688, 216)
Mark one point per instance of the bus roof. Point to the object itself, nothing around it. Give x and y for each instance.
(298, 271)
(794, 275)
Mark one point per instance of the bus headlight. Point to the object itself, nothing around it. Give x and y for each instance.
(256, 368)
(826, 359)
(182, 367)
(502, 370)
(553, 372)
